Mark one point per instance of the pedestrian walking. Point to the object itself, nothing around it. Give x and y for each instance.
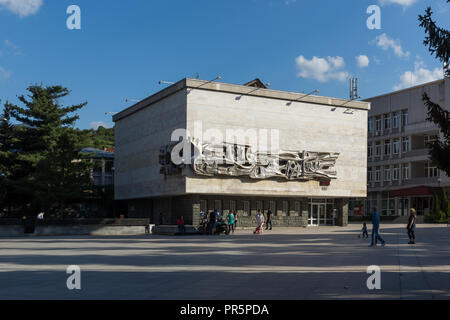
(212, 222)
(259, 223)
(411, 226)
(364, 232)
(235, 219)
(376, 229)
(181, 227)
(269, 220)
(230, 221)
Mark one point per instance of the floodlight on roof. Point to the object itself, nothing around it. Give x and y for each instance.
(304, 96)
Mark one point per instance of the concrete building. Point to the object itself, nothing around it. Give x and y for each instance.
(322, 162)
(400, 174)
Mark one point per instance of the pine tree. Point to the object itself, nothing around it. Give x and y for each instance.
(48, 149)
(445, 206)
(438, 42)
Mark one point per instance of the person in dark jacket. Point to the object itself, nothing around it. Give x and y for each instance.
(269, 220)
(376, 229)
(411, 227)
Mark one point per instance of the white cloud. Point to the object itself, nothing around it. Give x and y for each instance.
(23, 8)
(420, 75)
(403, 3)
(4, 75)
(12, 48)
(95, 125)
(385, 42)
(321, 69)
(362, 61)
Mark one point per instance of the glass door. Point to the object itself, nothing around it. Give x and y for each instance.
(322, 215)
(313, 216)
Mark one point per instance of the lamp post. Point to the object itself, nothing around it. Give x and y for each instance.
(304, 96)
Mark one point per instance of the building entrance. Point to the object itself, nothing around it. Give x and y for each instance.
(321, 212)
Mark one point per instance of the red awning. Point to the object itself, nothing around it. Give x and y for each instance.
(416, 191)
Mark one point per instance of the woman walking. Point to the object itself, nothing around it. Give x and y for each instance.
(411, 227)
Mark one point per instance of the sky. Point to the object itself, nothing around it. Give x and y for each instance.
(125, 47)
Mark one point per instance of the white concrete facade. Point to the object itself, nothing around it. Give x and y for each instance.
(318, 124)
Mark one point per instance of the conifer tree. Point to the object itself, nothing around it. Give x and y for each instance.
(438, 42)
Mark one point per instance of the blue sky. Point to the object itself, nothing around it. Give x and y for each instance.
(125, 47)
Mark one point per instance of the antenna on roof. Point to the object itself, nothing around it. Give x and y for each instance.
(354, 89)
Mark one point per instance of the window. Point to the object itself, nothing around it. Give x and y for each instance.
(370, 125)
(232, 205)
(430, 138)
(218, 205)
(370, 150)
(431, 171)
(405, 118)
(285, 208)
(387, 173)
(405, 144)
(369, 175)
(203, 205)
(273, 207)
(378, 123)
(396, 146)
(377, 174)
(387, 121)
(297, 207)
(395, 120)
(387, 147)
(396, 173)
(246, 208)
(259, 205)
(378, 149)
(405, 172)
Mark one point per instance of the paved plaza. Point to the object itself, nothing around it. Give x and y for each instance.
(312, 263)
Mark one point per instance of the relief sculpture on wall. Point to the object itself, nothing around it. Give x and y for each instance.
(234, 160)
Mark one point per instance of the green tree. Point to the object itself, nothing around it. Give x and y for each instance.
(7, 157)
(99, 139)
(445, 206)
(438, 42)
(48, 149)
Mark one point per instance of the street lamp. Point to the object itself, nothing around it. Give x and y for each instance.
(131, 100)
(256, 89)
(110, 113)
(304, 96)
(165, 82)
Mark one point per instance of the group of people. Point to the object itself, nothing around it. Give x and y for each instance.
(209, 221)
(260, 221)
(410, 227)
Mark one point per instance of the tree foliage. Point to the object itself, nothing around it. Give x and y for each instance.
(438, 42)
(42, 152)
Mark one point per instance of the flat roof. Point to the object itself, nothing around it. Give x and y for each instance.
(241, 90)
(406, 89)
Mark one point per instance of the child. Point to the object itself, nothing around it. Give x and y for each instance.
(364, 231)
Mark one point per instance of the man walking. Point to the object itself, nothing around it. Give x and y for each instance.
(269, 220)
(411, 227)
(376, 229)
